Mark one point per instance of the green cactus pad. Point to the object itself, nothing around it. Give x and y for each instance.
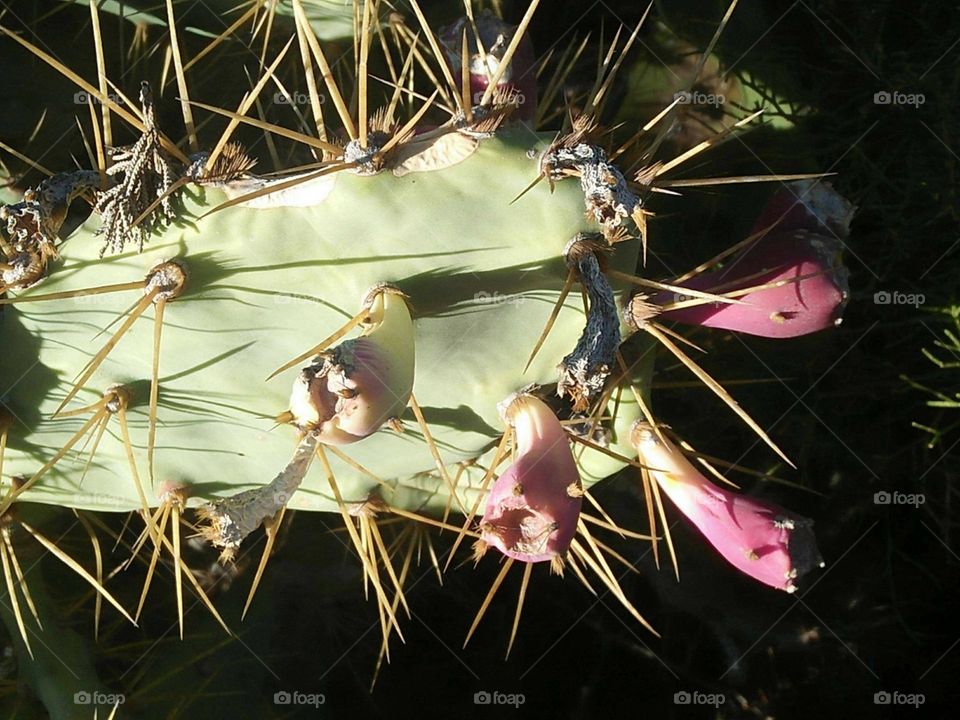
(265, 284)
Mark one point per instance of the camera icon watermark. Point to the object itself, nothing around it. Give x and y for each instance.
(685, 697)
(83, 97)
(695, 97)
(497, 298)
(99, 500)
(511, 97)
(296, 98)
(484, 697)
(886, 697)
(895, 297)
(292, 299)
(295, 697)
(83, 697)
(895, 97)
(898, 498)
(684, 299)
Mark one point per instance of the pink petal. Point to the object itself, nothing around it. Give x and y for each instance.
(373, 401)
(763, 540)
(812, 300)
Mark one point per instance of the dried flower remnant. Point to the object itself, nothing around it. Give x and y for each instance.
(532, 510)
(518, 81)
(128, 208)
(33, 227)
(226, 523)
(607, 196)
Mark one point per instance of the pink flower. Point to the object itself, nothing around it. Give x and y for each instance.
(807, 288)
(533, 508)
(768, 543)
(799, 258)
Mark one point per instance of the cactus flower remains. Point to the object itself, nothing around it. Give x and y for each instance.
(533, 508)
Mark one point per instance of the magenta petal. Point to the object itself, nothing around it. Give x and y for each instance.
(813, 298)
(754, 536)
(365, 400)
(533, 508)
(807, 220)
(763, 540)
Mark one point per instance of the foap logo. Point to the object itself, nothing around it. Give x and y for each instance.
(695, 97)
(886, 697)
(895, 297)
(898, 498)
(484, 697)
(96, 697)
(685, 697)
(98, 500)
(497, 298)
(296, 98)
(295, 697)
(87, 298)
(693, 299)
(83, 98)
(292, 299)
(895, 97)
(513, 97)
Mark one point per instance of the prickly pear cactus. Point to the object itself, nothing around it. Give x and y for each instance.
(444, 318)
(264, 284)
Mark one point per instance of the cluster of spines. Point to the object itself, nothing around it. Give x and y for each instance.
(371, 139)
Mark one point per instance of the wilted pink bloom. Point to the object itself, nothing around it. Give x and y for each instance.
(806, 288)
(533, 508)
(800, 256)
(518, 81)
(772, 545)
